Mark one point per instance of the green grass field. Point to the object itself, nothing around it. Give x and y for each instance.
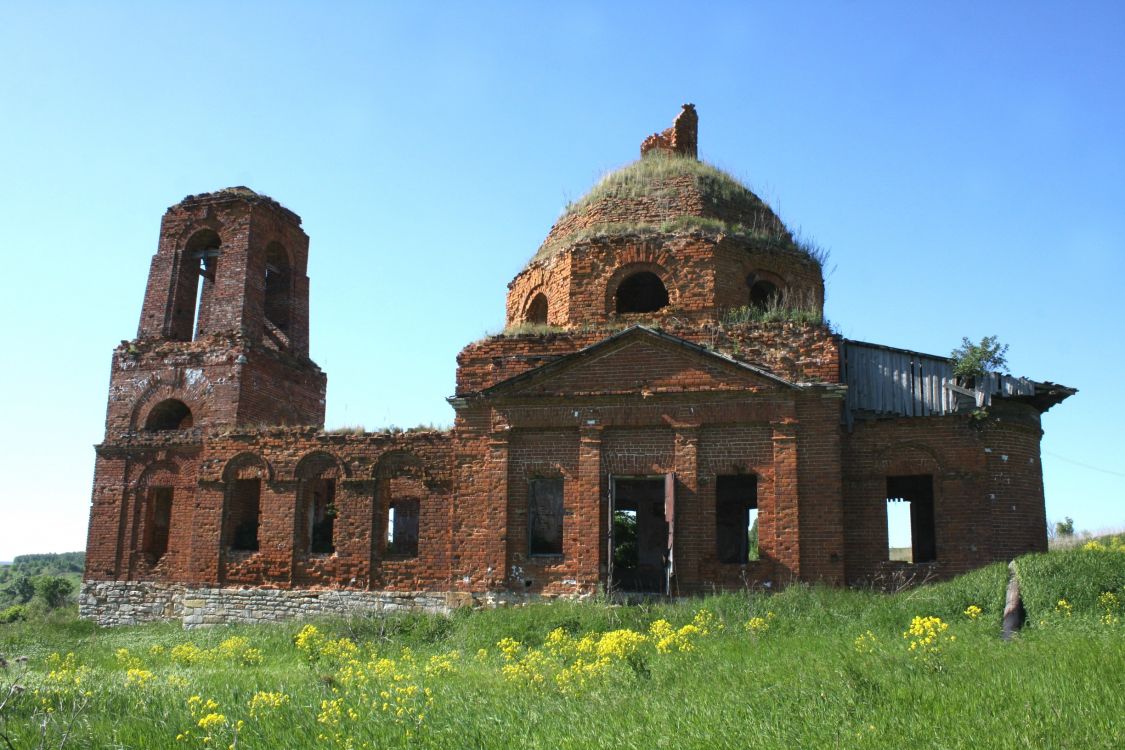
(809, 667)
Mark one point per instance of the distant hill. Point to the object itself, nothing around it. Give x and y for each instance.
(65, 564)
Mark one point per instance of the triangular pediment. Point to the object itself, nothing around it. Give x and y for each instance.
(638, 361)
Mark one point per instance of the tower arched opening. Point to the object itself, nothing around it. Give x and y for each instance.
(278, 303)
(641, 292)
(199, 260)
(764, 294)
(169, 414)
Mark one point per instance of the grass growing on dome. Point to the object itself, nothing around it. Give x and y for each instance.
(685, 224)
(648, 175)
(652, 176)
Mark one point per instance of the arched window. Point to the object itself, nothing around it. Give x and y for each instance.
(169, 414)
(537, 310)
(641, 293)
(764, 294)
(400, 485)
(316, 518)
(279, 287)
(243, 507)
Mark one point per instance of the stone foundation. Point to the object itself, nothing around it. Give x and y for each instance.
(110, 603)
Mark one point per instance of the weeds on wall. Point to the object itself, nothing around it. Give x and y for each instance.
(531, 329)
(787, 306)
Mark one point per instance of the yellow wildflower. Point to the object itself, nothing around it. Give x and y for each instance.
(865, 642)
(263, 702)
(138, 678)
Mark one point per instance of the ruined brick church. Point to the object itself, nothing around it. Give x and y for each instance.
(664, 388)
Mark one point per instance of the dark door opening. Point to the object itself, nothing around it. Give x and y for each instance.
(640, 539)
(910, 518)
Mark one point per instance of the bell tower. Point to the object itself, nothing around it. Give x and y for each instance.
(223, 338)
(223, 342)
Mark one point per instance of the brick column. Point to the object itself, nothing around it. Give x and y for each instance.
(277, 514)
(496, 530)
(584, 510)
(352, 529)
(779, 526)
(206, 536)
(689, 538)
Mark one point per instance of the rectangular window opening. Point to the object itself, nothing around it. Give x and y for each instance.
(243, 514)
(402, 528)
(545, 516)
(158, 523)
(320, 509)
(911, 533)
(736, 518)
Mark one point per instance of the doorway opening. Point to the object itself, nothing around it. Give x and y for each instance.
(910, 519)
(640, 538)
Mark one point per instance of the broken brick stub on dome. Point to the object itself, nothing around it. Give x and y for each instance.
(625, 433)
(682, 138)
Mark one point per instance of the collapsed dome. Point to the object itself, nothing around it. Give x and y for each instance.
(706, 241)
(664, 193)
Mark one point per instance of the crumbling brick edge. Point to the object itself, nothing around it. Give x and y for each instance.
(112, 603)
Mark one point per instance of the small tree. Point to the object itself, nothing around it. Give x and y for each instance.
(974, 360)
(21, 590)
(752, 541)
(1064, 528)
(53, 590)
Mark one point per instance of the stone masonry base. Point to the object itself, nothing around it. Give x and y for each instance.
(111, 603)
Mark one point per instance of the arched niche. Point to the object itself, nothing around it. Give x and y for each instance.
(537, 309)
(169, 414)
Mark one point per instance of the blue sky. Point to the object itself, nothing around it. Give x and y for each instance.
(964, 165)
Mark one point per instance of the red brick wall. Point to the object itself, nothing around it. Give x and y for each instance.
(640, 405)
(987, 507)
(793, 351)
(704, 273)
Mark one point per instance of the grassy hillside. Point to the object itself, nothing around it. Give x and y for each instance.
(807, 667)
(67, 565)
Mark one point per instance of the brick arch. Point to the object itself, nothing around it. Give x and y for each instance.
(909, 458)
(321, 464)
(165, 470)
(400, 460)
(248, 465)
(547, 470)
(193, 391)
(628, 269)
(400, 476)
(762, 274)
(523, 288)
(532, 301)
(192, 228)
